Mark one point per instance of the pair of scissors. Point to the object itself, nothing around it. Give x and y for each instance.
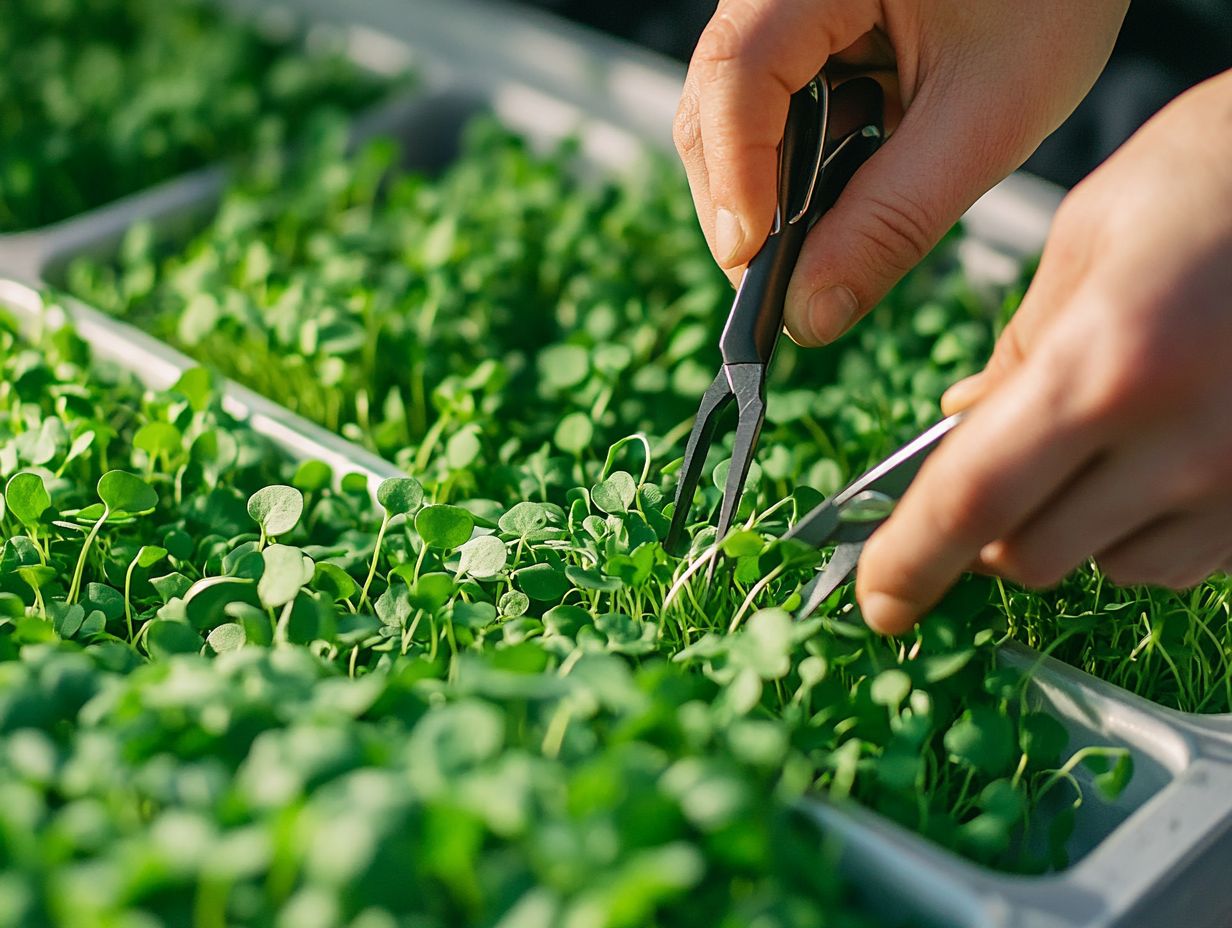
(850, 516)
(831, 130)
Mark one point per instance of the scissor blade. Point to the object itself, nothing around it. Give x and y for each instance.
(716, 398)
(893, 475)
(840, 566)
(817, 525)
(748, 383)
(890, 478)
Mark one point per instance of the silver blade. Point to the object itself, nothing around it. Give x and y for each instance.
(716, 398)
(818, 524)
(840, 566)
(837, 519)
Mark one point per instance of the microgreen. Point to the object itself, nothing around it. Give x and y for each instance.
(104, 99)
(491, 696)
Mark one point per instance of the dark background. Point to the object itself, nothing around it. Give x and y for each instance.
(1164, 47)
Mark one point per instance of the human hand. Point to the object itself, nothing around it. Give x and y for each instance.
(1102, 426)
(975, 85)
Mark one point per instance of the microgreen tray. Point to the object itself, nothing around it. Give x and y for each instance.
(151, 117)
(1145, 858)
(1151, 857)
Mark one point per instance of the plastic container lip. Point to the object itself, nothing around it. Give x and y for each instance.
(1152, 866)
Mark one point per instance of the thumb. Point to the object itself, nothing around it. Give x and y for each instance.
(896, 208)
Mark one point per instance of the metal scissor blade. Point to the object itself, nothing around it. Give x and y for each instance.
(817, 526)
(748, 385)
(716, 398)
(840, 566)
(850, 516)
(892, 476)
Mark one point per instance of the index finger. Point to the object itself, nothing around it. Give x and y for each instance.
(995, 470)
(752, 56)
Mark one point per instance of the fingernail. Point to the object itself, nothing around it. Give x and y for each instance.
(830, 312)
(962, 394)
(728, 236)
(887, 614)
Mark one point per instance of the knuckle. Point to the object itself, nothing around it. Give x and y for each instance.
(898, 233)
(1125, 374)
(1072, 219)
(723, 41)
(686, 127)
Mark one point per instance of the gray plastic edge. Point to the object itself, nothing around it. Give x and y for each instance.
(159, 366)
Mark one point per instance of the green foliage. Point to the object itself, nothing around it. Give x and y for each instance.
(100, 98)
(490, 697)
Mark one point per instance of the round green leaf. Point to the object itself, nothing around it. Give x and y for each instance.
(166, 638)
(513, 604)
(197, 386)
(206, 600)
(1119, 769)
(27, 497)
(400, 495)
(483, 557)
(766, 644)
(287, 569)
(311, 476)
(890, 688)
(563, 366)
(462, 448)
(149, 555)
(276, 508)
(37, 575)
(616, 493)
(542, 582)
(442, 526)
(524, 518)
(574, 433)
(472, 615)
(585, 579)
(1042, 738)
(121, 491)
(431, 591)
(334, 582)
(724, 466)
(983, 738)
(156, 438)
(227, 637)
(743, 543)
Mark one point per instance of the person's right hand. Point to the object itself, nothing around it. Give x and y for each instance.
(977, 86)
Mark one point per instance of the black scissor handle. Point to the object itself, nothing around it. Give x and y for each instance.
(829, 133)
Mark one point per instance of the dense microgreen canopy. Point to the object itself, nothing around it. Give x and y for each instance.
(490, 696)
(99, 98)
(518, 660)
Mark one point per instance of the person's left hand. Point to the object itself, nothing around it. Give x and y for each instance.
(1102, 427)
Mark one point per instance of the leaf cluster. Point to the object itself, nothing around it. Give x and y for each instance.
(101, 98)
